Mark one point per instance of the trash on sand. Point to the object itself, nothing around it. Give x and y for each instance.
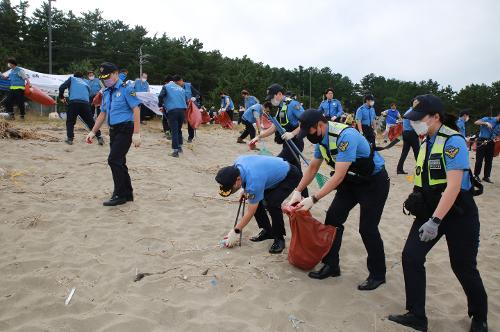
(295, 321)
(213, 282)
(70, 296)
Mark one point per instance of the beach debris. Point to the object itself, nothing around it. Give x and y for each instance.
(295, 321)
(139, 276)
(213, 282)
(7, 130)
(70, 296)
(2, 172)
(270, 275)
(204, 273)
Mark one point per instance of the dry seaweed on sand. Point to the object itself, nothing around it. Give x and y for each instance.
(8, 130)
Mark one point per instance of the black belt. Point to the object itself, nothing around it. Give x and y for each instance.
(121, 125)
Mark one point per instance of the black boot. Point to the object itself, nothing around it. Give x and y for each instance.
(263, 235)
(325, 272)
(410, 320)
(115, 200)
(371, 283)
(277, 246)
(478, 325)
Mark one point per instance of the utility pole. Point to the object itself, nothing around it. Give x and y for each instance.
(143, 58)
(310, 89)
(50, 36)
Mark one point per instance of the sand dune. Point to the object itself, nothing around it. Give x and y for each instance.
(55, 235)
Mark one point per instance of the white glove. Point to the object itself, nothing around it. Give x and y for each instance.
(232, 239)
(193, 99)
(287, 136)
(306, 204)
(428, 231)
(489, 125)
(90, 137)
(136, 140)
(254, 140)
(296, 197)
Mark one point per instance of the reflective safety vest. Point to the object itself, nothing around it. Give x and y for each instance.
(435, 168)
(282, 114)
(361, 167)
(16, 81)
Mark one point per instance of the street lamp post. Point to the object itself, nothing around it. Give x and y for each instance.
(50, 36)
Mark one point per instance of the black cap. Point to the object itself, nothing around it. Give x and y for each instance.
(309, 119)
(423, 105)
(464, 112)
(176, 78)
(274, 89)
(12, 61)
(106, 69)
(368, 97)
(226, 177)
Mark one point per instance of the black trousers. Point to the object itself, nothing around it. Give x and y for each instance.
(164, 122)
(191, 132)
(484, 151)
(81, 110)
(230, 113)
(273, 198)
(410, 140)
(120, 138)
(146, 113)
(15, 97)
(462, 238)
(175, 120)
(288, 155)
(369, 134)
(249, 130)
(371, 198)
(240, 116)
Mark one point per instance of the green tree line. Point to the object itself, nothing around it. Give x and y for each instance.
(82, 42)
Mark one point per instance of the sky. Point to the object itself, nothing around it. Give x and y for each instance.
(455, 42)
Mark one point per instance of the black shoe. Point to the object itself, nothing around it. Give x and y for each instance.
(371, 284)
(325, 272)
(68, 141)
(277, 246)
(22, 117)
(240, 140)
(168, 136)
(100, 140)
(190, 140)
(130, 198)
(410, 320)
(478, 326)
(477, 178)
(11, 116)
(402, 172)
(487, 180)
(175, 154)
(115, 200)
(263, 235)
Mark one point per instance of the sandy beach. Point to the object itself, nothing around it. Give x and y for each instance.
(55, 235)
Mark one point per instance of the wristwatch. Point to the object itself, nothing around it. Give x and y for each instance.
(237, 231)
(436, 220)
(314, 199)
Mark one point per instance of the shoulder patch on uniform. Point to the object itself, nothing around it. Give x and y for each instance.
(343, 146)
(132, 93)
(451, 151)
(297, 107)
(249, 196)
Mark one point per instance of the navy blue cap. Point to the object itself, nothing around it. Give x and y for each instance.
(309, 118)
(106, 69)
(274, 89)
(423, 105)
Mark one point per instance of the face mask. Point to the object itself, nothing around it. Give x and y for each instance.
(108, 82)
(371, 103)
(9, 65)
(91, 78)
(313, 138)
(420, 127)
(275, 102)
(144, 80)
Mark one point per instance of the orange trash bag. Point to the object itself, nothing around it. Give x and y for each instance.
(496, 152)
(395, 131)
(224, 120)
(97, 101)
(193, 115)
(311, 240)
(205, 117)
(266, 123)
(38, 96)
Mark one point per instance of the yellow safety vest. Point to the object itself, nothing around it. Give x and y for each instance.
(282, 113)
(334, 130)
(436, 165)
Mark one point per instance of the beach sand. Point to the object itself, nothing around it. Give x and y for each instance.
(55, 235)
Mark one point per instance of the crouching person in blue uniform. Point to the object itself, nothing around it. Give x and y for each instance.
(267, 182)
(121, 106)
(359, 176)
(443, 204)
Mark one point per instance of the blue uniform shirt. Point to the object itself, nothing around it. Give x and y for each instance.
(94, 85)
(79, 90)
(331, 108)
(250, 101)
(16, 77)
(365, 114)
(407, 123)
(293, 112)
(249, 115)
(259, 173)
(457, 160)
(461, 126)
(226, 101)
(118, 102)
(141, 86)
(173, 96)
(357, 147)
(488, 133)
(392, 116)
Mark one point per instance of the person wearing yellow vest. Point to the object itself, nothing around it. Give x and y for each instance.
(18, 80)
(359, 176)
(443, 204)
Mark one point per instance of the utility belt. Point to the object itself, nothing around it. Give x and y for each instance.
(353, 178)
(122, 125)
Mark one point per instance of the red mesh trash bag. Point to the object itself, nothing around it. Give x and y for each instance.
(205, 117)
(395, 131)
(311, 240)
(97, 101)
(38, 96)
(266, 123)
(497, 149)
(193, 115)
(224, 120)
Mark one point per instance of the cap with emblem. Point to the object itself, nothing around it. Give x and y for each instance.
(274, 89)
(106, 69)
(309, 119)
(423, 105)
(226, 177)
